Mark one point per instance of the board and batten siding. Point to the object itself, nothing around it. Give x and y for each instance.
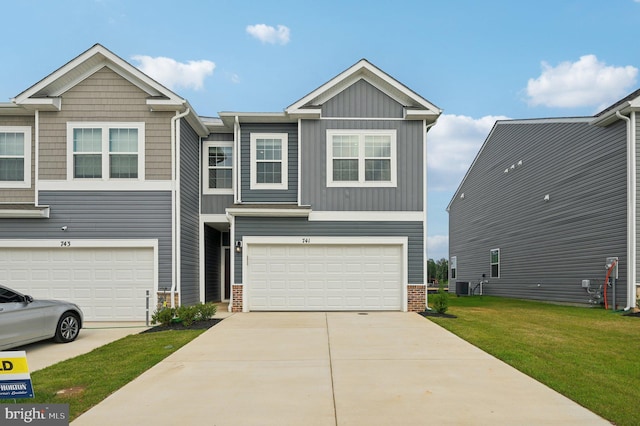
(407, 196)
(189, 215)
(104, 215)
(250, 226)
(546, 247)
(211, 203)
(21, 195)
(362, 100)
(105, 97)
(290, 195)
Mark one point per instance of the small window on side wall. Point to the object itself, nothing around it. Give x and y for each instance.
(454, 267)
(218, 168)
(495, 263)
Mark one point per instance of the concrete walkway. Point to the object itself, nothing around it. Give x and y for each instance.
(333, 369)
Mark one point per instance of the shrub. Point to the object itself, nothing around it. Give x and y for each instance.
(441, 300)
(205, 311)
(187, 314)
(163, 315)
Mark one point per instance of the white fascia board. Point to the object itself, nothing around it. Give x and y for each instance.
(42, 104)
(41, 212)
(308, 113)
(268, 212)
(366, 216)
(79, 243)
(314, 240)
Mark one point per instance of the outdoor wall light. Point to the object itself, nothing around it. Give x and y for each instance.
(64, 228)
(238, 246)
(546, 197)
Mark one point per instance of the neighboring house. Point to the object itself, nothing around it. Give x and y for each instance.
(112, 188)
(544, 205)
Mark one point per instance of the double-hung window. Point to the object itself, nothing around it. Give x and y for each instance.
(15, 157)
(105, 151)
(269, 161)
(218, 168)
(495, 263)
(361, 158)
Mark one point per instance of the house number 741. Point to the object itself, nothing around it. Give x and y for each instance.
(65, 243)
(306, 240)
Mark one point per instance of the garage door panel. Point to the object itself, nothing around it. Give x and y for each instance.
(324, 277)
(107, 283)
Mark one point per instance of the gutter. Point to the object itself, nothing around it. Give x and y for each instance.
(175, 204)
(631, 213)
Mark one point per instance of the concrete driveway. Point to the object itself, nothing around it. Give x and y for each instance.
(93, 335)
(333, 369)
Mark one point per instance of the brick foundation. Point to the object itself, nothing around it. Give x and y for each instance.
(164, 299)
(416, 297)
(236, 305)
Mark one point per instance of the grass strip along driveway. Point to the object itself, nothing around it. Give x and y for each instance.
(84, 381)
(590, 355)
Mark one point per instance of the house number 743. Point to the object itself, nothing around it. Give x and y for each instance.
(65, 243)
(306, 240)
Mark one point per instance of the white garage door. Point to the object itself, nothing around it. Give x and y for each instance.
(302, 277)
(109, 284)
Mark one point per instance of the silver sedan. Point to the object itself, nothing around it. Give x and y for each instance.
(24, 320)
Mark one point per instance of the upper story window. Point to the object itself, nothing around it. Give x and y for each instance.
(495, 263)
(454, 267)
(218, 168)
(361, 158)
(15, 157)
(269, 160)
(105, 151)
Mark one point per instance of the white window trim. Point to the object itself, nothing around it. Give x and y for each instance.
(105, 126)
(454, 267)
(205, 168)
(361, 159)
(284, 184)
(491, 263)
(26, 182)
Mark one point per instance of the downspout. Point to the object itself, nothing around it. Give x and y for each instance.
(175, 204)
(631, 213)
(236, 151)
(36, 155)
(425, 271)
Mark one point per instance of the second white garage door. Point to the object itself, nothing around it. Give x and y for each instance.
(327, 277)
(109, 284)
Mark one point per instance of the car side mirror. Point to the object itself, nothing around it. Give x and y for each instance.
(28, 299)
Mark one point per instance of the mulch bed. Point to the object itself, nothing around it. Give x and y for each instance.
(199, 325)
(436, 314)
(633, 314)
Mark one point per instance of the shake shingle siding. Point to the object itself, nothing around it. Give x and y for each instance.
(546, 247)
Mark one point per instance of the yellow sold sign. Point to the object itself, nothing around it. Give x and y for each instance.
(15, 380)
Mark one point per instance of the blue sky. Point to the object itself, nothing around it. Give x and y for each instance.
(478, 61)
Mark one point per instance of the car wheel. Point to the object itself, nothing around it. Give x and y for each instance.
(68, 328)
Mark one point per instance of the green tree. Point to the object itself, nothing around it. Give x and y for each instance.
(431, 270)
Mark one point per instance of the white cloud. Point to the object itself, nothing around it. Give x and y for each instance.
(268, 34)
(438, 246)
(585, 83)
(452, 145)
(172, 73)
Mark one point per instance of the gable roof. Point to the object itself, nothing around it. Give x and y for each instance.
(46, 94)
(416, 107)
(607, 116)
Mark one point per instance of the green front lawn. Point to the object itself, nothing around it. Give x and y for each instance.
(90, 378)
(587, 354)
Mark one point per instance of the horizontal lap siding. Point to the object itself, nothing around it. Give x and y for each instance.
(301, 227)
(102, 215)
(21, 195)
(546, 247)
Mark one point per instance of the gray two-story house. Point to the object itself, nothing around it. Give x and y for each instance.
(113, 191)
(548, 210)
